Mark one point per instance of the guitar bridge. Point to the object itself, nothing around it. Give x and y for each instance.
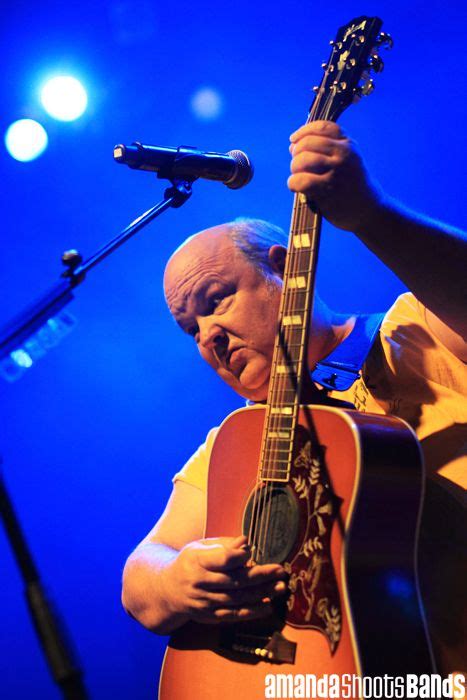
(274, 648)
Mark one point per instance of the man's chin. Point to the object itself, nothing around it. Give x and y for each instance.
(250, 381)
(253, 382)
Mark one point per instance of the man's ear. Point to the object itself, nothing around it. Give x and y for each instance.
(276, 258)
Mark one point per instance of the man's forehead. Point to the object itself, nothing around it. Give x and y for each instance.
(201, 255)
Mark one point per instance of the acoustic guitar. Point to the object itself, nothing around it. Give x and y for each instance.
(332, 494)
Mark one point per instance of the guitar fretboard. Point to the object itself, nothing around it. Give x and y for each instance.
(290, 350)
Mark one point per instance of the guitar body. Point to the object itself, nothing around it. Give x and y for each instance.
(345, 527)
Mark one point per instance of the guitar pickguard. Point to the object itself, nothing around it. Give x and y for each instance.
(314, 596)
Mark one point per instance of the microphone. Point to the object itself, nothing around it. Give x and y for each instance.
(234, 168)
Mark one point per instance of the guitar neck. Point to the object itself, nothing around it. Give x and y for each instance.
(290, 350)
(353, 56)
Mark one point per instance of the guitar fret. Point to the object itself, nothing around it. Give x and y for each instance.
(294, 337)
(302, 240)
(275, 474)
(292, 320)
(307, 229)
(276, 478)
(279, 435)
(285, 369)
(277, 465)
(277, 450)
(295, 310)
(301, 271)
(293, 345)
(278, 425)
(274, 451)
(282, 411)
(285, 393)
(296, 284)
(281, 423)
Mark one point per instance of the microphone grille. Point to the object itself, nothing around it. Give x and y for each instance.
(243, 172)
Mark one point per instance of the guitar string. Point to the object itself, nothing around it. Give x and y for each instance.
(300, 214)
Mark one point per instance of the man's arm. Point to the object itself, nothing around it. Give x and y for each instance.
(428, 256)
(174, 575)
(145, 589)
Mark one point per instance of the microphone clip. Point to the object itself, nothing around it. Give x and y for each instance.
(180, 191)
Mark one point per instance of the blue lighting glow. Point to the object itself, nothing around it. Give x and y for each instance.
(399, 585)
(206, 104)
(26, 139)
(64, 98)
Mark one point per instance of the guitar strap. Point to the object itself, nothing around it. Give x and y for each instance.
(342, 367)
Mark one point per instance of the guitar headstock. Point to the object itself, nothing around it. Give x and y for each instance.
(347, 74)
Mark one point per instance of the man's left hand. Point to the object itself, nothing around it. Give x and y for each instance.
(329, 171)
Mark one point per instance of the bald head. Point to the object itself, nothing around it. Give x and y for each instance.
(203, 247)
(221, 297)
(254, 238)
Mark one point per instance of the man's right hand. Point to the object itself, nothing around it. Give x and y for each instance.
(211, 582)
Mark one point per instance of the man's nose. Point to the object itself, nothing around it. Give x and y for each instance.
(211, 335)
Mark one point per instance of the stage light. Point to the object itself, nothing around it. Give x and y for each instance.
(206, 104)
(25, 139)
(64, 98)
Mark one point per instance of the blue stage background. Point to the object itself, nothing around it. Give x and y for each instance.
(91, 436)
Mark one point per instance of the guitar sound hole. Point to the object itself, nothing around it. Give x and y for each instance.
(271, 523)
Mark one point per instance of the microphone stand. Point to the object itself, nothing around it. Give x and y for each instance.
(49, 627)
(32, 318)
(50, 630)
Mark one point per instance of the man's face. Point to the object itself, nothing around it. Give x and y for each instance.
(216, 295)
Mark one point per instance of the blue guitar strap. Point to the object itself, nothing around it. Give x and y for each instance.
(341, 368)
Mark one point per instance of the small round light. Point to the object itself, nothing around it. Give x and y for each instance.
(206, 104)
(64, 98)
(26, 139)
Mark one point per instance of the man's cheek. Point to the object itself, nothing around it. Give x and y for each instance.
(207, 356)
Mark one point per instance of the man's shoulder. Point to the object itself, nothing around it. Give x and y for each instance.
(405, 309)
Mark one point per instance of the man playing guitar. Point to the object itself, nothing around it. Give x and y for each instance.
(223, 288)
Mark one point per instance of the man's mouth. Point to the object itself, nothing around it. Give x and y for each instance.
(232, 356)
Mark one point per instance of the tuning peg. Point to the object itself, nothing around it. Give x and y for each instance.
(385, 39)
(367, 88)
(376, 63)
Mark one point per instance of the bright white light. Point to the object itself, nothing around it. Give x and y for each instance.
(64, 98)
(26, 139)
(206, 104)
(21, 358)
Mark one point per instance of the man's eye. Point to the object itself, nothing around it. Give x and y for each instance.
(214, 302)
(193, 331)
